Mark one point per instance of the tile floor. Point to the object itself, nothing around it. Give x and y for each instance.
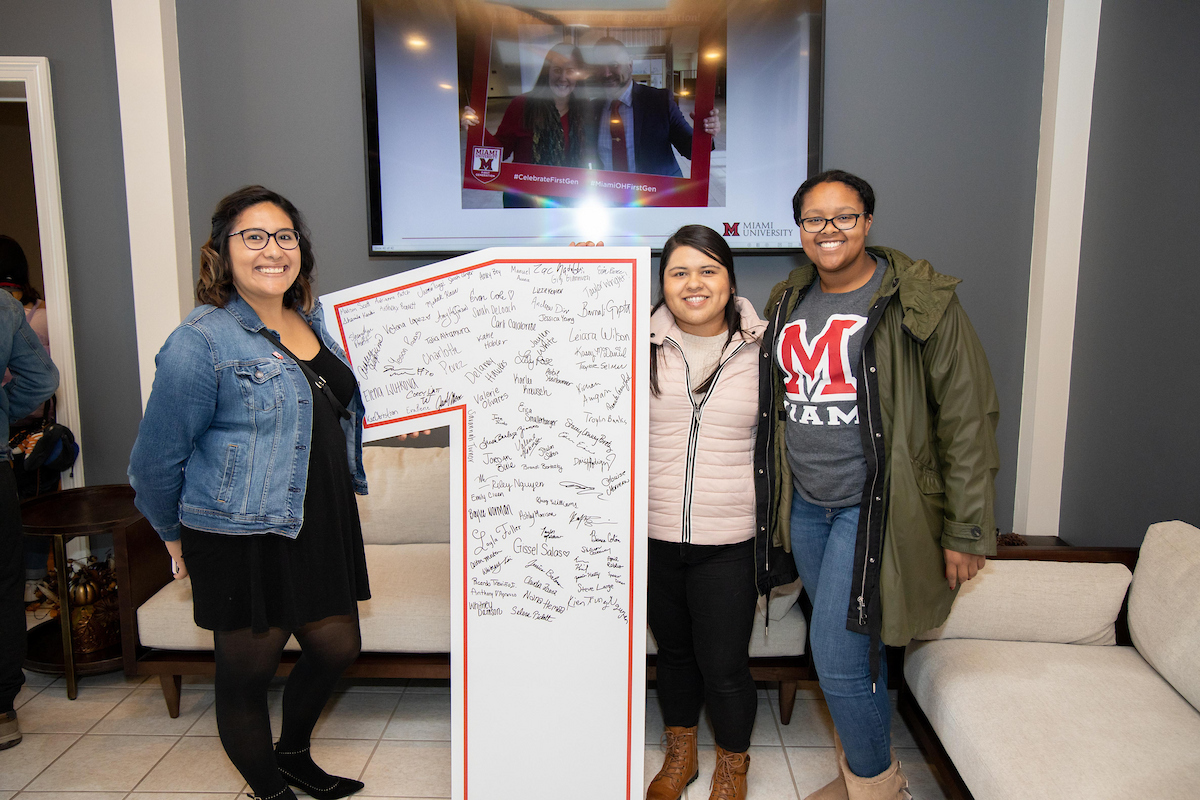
(116, 742)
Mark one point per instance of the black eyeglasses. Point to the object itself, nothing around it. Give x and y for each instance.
(257, 238)
(843, 222)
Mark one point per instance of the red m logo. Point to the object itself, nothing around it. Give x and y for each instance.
(485, 163)
(819, 370)
(731, 230)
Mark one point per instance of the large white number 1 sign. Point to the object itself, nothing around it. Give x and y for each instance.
(535, 358)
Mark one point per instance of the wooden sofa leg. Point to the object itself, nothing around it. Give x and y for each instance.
(787, 700)
(171, 687)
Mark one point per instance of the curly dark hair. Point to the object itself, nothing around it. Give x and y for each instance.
(216, 272)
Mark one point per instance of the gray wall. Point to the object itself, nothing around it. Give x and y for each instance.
(936, 103)
(272, 95)
(1133, 442)
(77, 37)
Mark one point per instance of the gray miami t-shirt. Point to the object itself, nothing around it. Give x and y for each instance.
(818, 351)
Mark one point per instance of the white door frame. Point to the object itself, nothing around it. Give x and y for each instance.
(33, 72)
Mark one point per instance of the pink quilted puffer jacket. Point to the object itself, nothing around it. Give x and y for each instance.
(702, 449)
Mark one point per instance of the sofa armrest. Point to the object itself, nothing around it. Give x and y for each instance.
(1056, 594)
(143, 567)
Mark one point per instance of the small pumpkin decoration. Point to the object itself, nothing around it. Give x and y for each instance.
(84, 590)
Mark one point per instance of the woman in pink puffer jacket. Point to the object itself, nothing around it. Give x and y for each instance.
(701, 595)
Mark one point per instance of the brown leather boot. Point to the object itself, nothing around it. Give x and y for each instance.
(729, 777)
(680, 767)
(835, 789)
(891, 784)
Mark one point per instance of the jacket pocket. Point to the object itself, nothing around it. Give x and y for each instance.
(929, 480)
(229, 474)
(261, 384)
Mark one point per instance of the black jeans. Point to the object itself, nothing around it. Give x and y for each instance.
(12, 590)
(700, 606)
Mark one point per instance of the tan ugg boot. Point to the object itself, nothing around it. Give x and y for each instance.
(680, 767)
(729, 777)
(891, 784)
(835, 789)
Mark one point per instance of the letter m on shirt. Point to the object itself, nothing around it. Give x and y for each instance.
(818, 370)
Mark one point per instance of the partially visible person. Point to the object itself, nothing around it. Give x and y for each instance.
(14, 278)
(635, 126)
(885, 453)
(543, 126)
(34, 379)
(246, 463)
(704, 572)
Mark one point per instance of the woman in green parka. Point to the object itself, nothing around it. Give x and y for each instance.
(883, 457)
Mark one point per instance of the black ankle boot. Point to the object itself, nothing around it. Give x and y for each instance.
(298, 769)
(283, 794)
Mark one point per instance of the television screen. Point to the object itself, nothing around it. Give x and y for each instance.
(551, 121)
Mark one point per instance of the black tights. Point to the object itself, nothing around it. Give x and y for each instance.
(247, 661)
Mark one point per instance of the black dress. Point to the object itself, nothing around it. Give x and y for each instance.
(263, 581)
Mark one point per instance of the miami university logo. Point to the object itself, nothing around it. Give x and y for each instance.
(818, 370)
(485, 163)
(731, 230)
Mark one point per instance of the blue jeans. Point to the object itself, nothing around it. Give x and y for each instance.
(823, 545)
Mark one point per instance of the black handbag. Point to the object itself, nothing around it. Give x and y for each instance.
(41, 453)
(55, 451)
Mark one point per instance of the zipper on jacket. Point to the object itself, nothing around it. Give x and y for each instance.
(871, 504)
(769, 450)
(876, 451)
(862, 588)
(694, 434)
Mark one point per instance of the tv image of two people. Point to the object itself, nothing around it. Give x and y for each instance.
(564, 109)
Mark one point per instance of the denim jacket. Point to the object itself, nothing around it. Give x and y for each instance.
(223, 445)
(34, 376)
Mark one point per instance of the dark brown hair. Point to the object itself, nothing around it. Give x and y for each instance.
(542, 118)
(861, 187)
(713, 245)
(14, 269)
(216, 272)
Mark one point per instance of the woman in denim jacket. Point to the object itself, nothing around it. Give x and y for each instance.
(246, 463)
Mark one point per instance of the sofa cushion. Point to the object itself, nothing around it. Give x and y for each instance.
(1038, 601)
(409, 499)
(1044, 721)
(1164, 606)
(785, 639)
(409, 609)
(165, 620)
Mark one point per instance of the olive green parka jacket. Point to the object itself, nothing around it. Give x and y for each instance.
(927, 415)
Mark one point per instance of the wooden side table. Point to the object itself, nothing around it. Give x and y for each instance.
(85, 511)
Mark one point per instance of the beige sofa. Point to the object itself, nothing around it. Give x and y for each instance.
(406, 623)
(1033, 694)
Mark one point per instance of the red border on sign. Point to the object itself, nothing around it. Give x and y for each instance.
(633, 533)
